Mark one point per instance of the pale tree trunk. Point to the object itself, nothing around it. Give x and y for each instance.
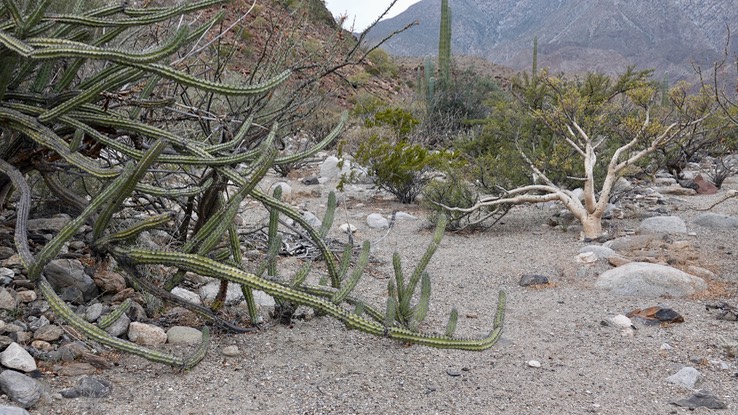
(589, 213)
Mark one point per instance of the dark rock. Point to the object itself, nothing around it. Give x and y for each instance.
(64, 273)
(701, 399)
(310, 181)
(53, 224)
(532, 279)
(89, 387)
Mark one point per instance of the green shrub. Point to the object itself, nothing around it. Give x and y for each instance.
(381, 64)
(400, 168)
(454, 191)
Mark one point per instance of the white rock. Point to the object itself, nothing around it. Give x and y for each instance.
(209, 291)
(146, 334)
(187, 295)
(377, 221)
(534, 363)
(230, 351)
(665, 347)
(347, 228)
(622, 321)
(263, 299)
(330, 170)
(587, 258)
(286, 191)
(16, 357)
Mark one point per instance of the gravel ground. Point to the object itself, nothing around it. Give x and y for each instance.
(317, 366)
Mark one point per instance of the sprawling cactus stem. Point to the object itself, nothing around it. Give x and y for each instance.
(82, 99)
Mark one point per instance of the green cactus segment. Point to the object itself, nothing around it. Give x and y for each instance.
(208, 267)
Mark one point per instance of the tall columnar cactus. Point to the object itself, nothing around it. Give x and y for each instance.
(534, 70)
(665, 90)
(444, 43)
(81, 98)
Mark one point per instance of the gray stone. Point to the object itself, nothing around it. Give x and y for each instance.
(12, 410)
(263, 299)
(661, 225)
(89, 387)
(643, 279)
(686, 377)
(63, 273)
(377, 221)
(7, 302)
(716, 221)
(72, 295)
(53, 224)
(119, 327)
(329, 168)
(601, 252)
(311, 219)
(94, 312)
(404, 216)
(16, 357)
(187, 295)
(678, 190)
(209, 291)
(630, 243)
(183, 335)
(48, 333)
(6, 273)
(20, 388)
(533, 279)
(6, 252)
(35, 323)
(146, 334)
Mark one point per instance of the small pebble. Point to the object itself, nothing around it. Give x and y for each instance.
(231, 351)
(534, 363)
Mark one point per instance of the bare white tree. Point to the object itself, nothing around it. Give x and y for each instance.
(620, 120)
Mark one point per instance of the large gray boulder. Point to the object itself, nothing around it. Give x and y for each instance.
(642, 279)
(662, 224)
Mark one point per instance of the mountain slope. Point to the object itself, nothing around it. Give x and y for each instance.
(573, 35)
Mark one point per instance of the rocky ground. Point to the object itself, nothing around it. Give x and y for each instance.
(560, 351)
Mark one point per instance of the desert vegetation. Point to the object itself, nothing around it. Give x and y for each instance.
(166, 119)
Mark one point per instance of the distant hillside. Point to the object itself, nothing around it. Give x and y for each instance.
(573, 35)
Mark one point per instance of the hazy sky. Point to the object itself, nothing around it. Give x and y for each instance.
(365, 11)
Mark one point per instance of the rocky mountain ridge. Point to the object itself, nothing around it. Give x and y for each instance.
(573, 35)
